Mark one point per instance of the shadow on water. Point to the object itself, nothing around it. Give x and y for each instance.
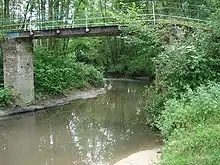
(98, 131)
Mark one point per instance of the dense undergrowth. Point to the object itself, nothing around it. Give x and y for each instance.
(192, 126)
(57, 72)
(186, 64)
(184, 101)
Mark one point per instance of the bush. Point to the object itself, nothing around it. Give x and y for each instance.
(184, 103)
(182, 66)
(201, 106)
(192, 126)
(93, 77)
(154, 104)
(58, 72)
(197, 146)
(187, 64)
(5, 98)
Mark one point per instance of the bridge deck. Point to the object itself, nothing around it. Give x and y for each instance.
(67, 32)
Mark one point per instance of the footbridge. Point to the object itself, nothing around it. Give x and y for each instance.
(18, 32)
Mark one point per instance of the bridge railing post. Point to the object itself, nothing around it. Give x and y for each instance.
(86, 16)
(154, 15)
(30, 27)
(73, 19)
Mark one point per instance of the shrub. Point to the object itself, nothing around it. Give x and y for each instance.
(182, 66)
(93, 77)
(185, 65)
(154, 104)
(5, 98)
(58, 72)
(192, 126)
(197, 146)
(194, 108)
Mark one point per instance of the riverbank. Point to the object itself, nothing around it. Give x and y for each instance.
(60, 100)
(147, 157)
(53, 102)
(139, 80)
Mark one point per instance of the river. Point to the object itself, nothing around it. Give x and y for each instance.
(98, 131)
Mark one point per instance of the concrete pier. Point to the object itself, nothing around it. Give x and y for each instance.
(18, 69)
(18, 56)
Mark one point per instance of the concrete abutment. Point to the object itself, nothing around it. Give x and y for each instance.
(19, 70)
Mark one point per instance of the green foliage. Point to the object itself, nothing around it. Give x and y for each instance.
(89, 50)
(201, 106)
(138, 44)
(197, 146)
(92, 76)
(189, 114)
(187, 64)
(127, 55)
(139, 49)
(154, 104)
(57, 72)
(5, 98)
(2, 34)
(216, 18)
(182, 66)
(1, 66)
(192, 125)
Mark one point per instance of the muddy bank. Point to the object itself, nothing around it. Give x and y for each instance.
(138, 80)
(53, 102)
(147, 157)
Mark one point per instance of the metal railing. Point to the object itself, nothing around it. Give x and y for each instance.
(90, 19)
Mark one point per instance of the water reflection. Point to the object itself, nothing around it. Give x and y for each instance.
(88, 132)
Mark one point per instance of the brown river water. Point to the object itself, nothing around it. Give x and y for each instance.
(98, 131)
